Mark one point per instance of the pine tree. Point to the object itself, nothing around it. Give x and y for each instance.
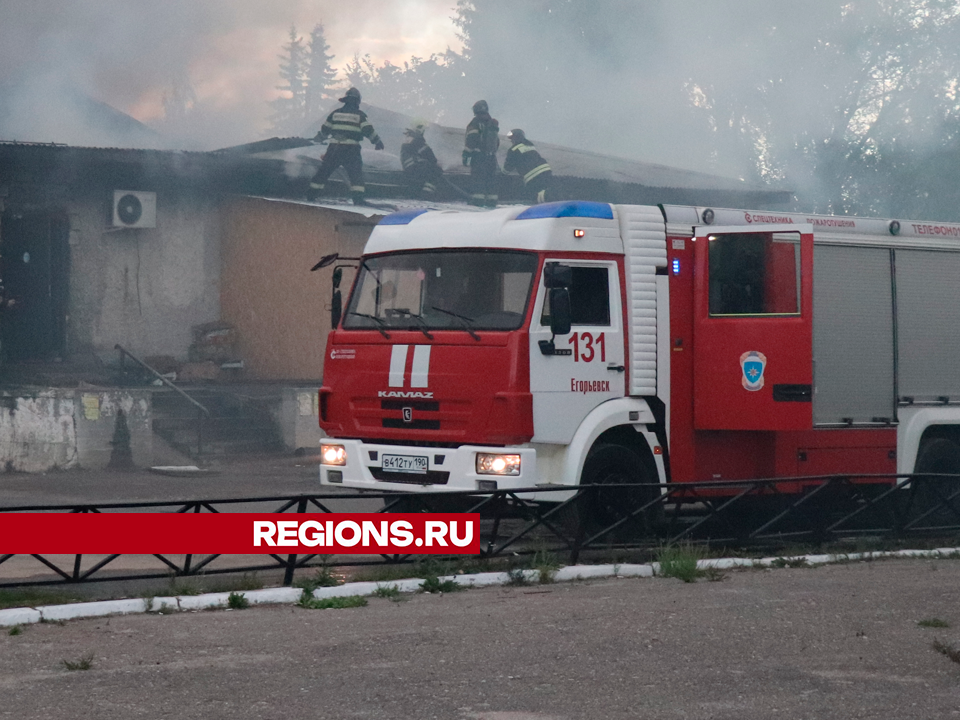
(319, 74)
(288, 109)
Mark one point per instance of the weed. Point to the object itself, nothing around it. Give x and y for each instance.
(16, 630)
(31, 597)
(546, 565)
(433, 584)
(237, 601)
(517, 577)
(789, 562)
(322, 578)
(680, 561)
(311, 603)
(387, 592)
(933, 623)
(946, 649)
(84, 663)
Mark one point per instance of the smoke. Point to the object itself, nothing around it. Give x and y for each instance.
(199, 72)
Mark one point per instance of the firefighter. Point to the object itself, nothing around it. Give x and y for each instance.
(523, 158)
(480, 154)
(420, 167)
(346, 127)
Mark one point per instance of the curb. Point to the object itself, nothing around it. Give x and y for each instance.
(290, 595)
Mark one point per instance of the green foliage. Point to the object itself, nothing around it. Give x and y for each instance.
(322, 578)
(84, 663)
(15, 630)
(680, 561)
(237, 601)
(311, 603)
(388, 592)
(789, 562)
(517, 577)
(433, 584)
(32, 597)
(933, 623)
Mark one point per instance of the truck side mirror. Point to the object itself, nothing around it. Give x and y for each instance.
(556, 275)
(337, 277)
(560, 310)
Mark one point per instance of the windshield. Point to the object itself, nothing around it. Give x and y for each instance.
(439, 290)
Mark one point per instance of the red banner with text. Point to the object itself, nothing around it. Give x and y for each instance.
(238, 533)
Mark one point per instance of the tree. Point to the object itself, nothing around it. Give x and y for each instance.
(288, 109)
(319, 75)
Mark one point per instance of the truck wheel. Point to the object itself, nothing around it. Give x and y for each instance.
(616, 465)
(940, 456)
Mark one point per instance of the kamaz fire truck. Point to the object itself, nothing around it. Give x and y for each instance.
(580, 342)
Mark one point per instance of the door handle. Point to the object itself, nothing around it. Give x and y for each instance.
(616, 368)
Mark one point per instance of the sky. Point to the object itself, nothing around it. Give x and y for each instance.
(129, 53)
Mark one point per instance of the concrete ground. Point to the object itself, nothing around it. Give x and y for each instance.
(834, 642)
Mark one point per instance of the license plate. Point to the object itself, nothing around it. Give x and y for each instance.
(405, 463)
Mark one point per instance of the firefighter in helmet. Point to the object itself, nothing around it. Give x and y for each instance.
(523, 158)
(346, 127)
(420, 167)
(480, 154)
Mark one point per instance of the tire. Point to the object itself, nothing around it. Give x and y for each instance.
(609, 464)
(937, 456)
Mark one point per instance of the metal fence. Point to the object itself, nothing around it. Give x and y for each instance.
(742, 514)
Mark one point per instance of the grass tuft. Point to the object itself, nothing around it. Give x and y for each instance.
(311, 603)
(16, 630)
(680, 561)
(322, 578)
(433, 584)
(789, 562)
(387, 592)
(84, 663)
(237, 601)
(933, 623)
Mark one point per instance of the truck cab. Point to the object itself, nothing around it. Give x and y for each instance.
(491, 350)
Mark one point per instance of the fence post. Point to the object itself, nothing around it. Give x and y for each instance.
(292, 559)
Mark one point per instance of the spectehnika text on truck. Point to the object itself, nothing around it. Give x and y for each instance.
(578, 342)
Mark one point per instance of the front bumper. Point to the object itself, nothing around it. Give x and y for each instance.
(448, 469)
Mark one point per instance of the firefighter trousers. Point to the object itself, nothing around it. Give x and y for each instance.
(345, 156)
(541, 187)
(483, 177)
(423, 178)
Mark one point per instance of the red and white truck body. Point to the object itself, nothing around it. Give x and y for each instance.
(710, 344)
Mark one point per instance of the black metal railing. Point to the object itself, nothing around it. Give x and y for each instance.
(744, 513)
(201, 409)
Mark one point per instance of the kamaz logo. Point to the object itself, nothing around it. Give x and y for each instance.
(405, 394)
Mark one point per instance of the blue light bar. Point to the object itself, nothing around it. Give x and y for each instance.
(574, 208)
(403, 217)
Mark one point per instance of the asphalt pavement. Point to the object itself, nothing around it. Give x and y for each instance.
(826, 643)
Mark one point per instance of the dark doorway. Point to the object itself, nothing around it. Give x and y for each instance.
(34, 259)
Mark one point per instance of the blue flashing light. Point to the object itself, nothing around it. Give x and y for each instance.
(574, 208)
(676, 266)
(403, 217)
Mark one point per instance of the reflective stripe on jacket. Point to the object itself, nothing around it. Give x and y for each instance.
(524, 159)
(348, 126)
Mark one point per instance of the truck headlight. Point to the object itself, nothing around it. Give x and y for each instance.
(333, 455)
(492, 464)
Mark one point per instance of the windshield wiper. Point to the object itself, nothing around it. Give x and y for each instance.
(464, 320)
(380, 323)
(420, 322)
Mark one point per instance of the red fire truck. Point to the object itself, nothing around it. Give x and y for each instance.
(582, 342)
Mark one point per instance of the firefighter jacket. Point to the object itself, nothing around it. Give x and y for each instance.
(416, 154)
(483, 136)
(348, 126)
(524, 159)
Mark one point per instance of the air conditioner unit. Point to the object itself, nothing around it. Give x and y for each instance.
(134, 209)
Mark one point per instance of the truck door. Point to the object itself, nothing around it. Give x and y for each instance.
(753, 328)
(588, 365)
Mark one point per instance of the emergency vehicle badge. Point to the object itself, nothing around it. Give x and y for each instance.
(752, 364)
